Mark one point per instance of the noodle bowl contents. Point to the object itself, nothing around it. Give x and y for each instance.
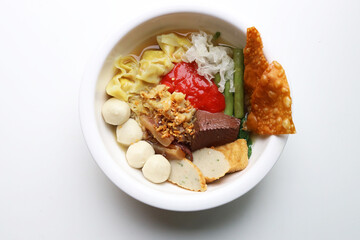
(186, 108)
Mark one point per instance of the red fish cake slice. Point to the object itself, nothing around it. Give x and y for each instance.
(271, 104)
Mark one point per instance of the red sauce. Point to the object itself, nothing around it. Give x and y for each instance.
(201, 93)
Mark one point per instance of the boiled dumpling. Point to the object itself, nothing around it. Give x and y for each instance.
(124, 83)
(128, 66)
(122, 88)
(153, 65)
(173, 45)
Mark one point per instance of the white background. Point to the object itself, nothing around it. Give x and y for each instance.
(50, 187)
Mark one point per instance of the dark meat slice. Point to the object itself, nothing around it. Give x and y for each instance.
(213, 129)
(172, 152)
(185, 148)
(149, 124)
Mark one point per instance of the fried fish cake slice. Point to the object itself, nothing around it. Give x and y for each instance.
(236, 153)
(254, 61)
(271, 104)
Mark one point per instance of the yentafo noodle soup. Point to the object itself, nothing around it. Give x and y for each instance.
(186, 103)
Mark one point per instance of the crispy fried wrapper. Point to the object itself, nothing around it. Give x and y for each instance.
(271, 104)
(254, 61)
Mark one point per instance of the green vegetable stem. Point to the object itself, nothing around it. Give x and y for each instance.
(245, 135)
(215, 37)
(229, 100)
(238, 83)
(217, 79)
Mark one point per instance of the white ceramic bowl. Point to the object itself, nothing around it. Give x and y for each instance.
(110, 156)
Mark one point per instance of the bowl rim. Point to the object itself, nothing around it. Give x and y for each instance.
(99, 153)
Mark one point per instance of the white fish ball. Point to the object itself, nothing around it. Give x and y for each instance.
(156, 169)
(115, 111)
(138, 153)
(128, 133)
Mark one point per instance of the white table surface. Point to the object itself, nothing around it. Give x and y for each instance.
(50, 187)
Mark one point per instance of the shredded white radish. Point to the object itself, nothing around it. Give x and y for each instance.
(211, 59)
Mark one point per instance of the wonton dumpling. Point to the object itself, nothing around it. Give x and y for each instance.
(122, 88)
(153, 65)
(128, 66)
(123, 84)
(173, 45)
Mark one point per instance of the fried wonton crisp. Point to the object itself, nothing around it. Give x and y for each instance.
(271, 104)
(254, 61)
